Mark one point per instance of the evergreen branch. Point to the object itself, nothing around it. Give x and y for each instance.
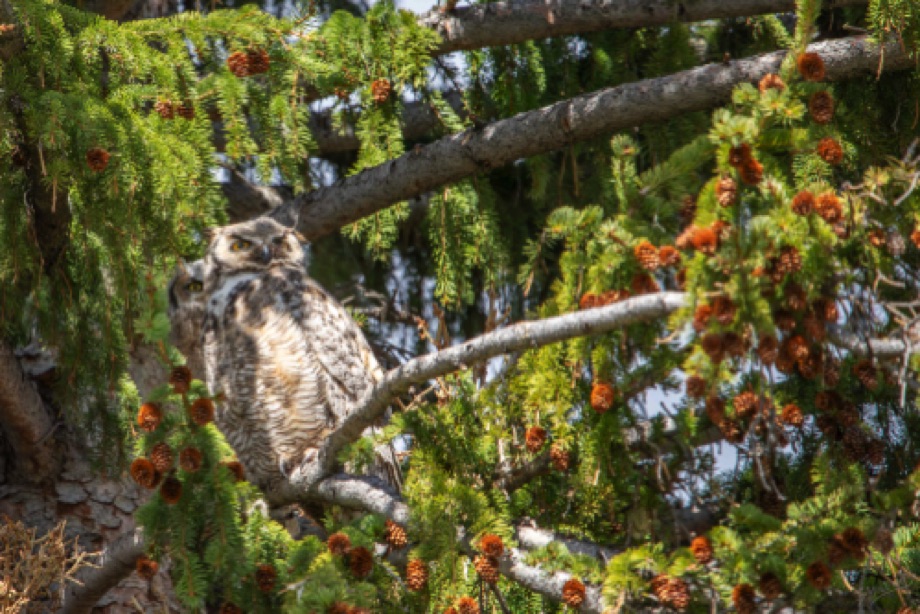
(544, 583)
(118, 560)
(476, 150)
(25, 422)
(506, 23)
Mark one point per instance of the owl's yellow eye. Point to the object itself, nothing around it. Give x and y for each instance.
(194, 286)
(239, 245)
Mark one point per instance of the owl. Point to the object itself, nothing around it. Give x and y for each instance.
(186, 314)
(287, 358)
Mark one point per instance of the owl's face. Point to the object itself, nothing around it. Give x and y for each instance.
(254, 246)
(186, 287)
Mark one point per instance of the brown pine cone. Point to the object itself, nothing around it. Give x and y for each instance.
(854, 443)
(784, 320)
(395, 535)
(815, 327)
(796, 299)
(487, 568)
(724, 310)
(97, 159)
(677, 594)
(790, 260)
(726, 192)
(146, 567)
(643, 283)
(866, 373)
(752, 172)
(179, 379)
(534, 438)
(144, 473)
(821, 107)
(339, 544)
(491, 545)
(745, 404)
(202, 411)
(771, 82)
(810, 66)
(190, 459)
(560, 458)
(715, 410)
(416, 575)
(266, 576)
(696, 387)
(792, 415)
(573, 593)
(186, 111)
(161, 456)
(830, 150)
(810, 368)
(613, 296)
(803, 203)
(855, 542)
(236, 469)
(467, 605)
(668, 256)
(734, 344)
(380, 90)
(701, 317)
(883, 541)
(829, 208)
(360, 562)
(836, 552)
(743, 597)
(712, 346)
(770, 586)
(732, 432)
(701, 548)
(602, 397)
(704, 240)
(647, 255)
(149, 417)
(738, 156)
(238, 63)
(768, 349)
(818, 575)
(796, 347)
(165, 109)
(589, 300)
(258, 61)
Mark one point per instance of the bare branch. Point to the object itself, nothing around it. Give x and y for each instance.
(549, 585)
(584, 117)
(531, 537)
(506, 23)
(366, 493)
(513, 478)
(25, 422)
(879, 348)
(118, 560)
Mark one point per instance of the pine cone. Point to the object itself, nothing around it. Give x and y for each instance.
(266, 575)
(732, 432)
(613, 296)
(796, 299)
(712, 346)
(190, 460)
(171, 490)
(854, 444)
(202, 411)
(715, 410)
(467, 605)
(745, 404)
(146, 567)
(701, 548)
(257, 60)
(895, 244)
(704, 240)
(238, 63)
(701, 316)
(165, 109)
(743, 597)
(866, 373)
(589, 300)
(97, 159)
(161, 456)
(883, 541)
(768, 349)
(179, 379)
(810, 66)
(487, 568)
(818, 575)
(491, 545)
(784, 320)
(829, 208)
(796, 347)
(643, 283)
(668, 256)
(186, 111)
(573, 593)
(236, 469)
(830, 150)
(790, 260)
(752, 172)
(338, 544)
(738, 156)
(380, 90)
(855, 542)
(696, 387)
(144, 473)
(647, 255)
(815, 327)
(836, 552)
(149, 417)
(792, 415)
(811, 366)
(821, 107)
(534, 438)
(602, 397)
(560, 458)
(803, 203)
(724, 310)
(360, 562)
(416, 575)
(771, 82)
(726, 192)
(395, 535)
(677, 594)
(770, 586)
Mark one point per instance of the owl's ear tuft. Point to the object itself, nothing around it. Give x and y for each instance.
(209, 234)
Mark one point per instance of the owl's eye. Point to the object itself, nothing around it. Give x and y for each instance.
(240, 244)
(194, 286)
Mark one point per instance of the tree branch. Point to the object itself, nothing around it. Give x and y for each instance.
(118, 560)
(25, 422)
(361, 492)
(506, 23)
(549, 585)
(584, 117)
(531, 537)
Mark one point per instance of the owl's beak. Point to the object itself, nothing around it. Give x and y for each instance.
(265, 254)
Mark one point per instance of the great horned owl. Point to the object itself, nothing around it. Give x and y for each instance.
(287, 357)
(186, 314)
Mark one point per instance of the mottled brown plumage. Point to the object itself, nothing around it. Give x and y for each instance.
(186, 314)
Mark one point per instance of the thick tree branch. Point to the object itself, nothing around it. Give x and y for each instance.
(531, 537)
(25, 422)
(585, 117)
(118, 561)
(879, 348)
(362, 492)
(506, 23)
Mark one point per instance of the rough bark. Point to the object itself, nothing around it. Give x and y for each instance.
(118, 561)
(505, 23)
(606, 111)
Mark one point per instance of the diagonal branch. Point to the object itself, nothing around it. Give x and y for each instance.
(118, 561)
(606, 111)
(506, 23)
